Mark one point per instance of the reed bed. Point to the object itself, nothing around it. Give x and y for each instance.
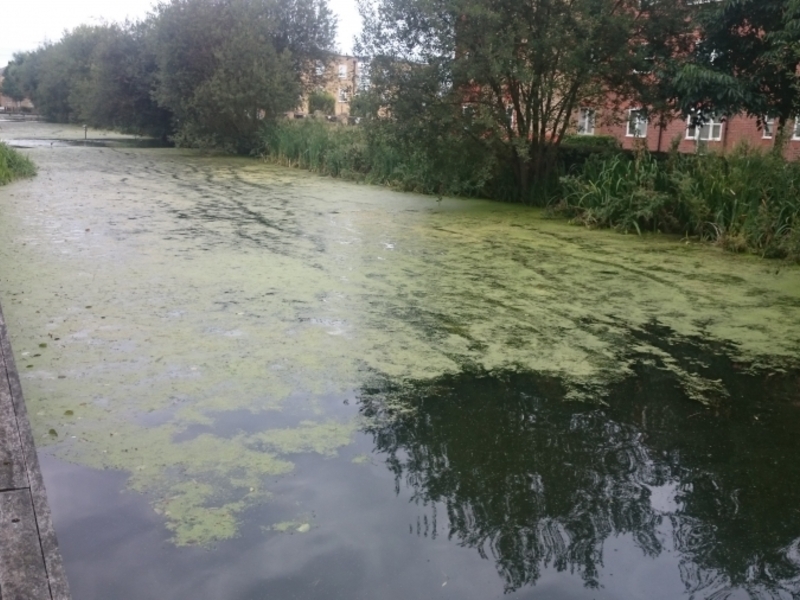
(746, 201)
(14, 165)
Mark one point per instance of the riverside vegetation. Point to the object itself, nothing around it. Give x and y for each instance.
(483, 108)
(14, 165)
(747, 201)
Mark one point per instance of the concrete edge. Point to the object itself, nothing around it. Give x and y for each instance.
(54, 565)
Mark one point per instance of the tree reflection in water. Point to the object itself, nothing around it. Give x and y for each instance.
(533, 481)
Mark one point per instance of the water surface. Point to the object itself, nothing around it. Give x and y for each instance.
(251, 382)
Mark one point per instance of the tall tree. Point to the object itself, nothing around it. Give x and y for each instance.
(747, 60)
(117, 93)
(514, 73)
(227, 66)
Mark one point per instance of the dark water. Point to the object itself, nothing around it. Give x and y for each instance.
(487, 485)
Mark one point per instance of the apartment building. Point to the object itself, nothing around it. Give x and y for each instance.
(340, 77)
(720, 134)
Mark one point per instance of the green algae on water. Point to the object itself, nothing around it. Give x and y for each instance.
(223, 287)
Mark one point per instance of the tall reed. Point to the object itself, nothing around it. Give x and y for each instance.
(746, 201)
(377, 154)
(14, 165)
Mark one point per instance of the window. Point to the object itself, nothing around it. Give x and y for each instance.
(710, 131)
(586, 122)
(637, 124)
(343, 95)
(320, 68)
(342, 71)
(768, 128)
(796, 130)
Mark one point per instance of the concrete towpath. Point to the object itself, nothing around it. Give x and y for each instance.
(30, 562)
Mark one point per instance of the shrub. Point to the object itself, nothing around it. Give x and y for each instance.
(591, 141)
(321, 101)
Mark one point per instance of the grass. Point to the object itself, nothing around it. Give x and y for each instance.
(14, 165)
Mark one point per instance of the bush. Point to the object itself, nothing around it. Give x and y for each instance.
(746, 201)
(591, 141)
(14, 165)
(321, 101)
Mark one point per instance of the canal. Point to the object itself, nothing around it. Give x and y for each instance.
(251, 382)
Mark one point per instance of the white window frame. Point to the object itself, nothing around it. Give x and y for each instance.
(343, 71)
(586, 121)
(343, 96)
(796, 130)
(768, 129)
(705, 132)
(641, 124)
(362, 74)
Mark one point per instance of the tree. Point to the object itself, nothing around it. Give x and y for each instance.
(747, 61)
(512, 74)
(225, 67)
(12, 85)
(117, 94)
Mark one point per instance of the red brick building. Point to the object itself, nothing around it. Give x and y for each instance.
(719, 135)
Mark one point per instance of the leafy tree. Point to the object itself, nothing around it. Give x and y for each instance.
(117, 94)
(747, 60)
(512, 74)
(227, 66)
(13, 85)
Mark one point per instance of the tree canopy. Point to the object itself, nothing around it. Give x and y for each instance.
(512, 74)
(207, 72)
(747, 60)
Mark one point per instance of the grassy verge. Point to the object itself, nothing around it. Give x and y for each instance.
(747, 201)
(14, 165)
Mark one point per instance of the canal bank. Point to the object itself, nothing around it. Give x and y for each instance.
(30, 561)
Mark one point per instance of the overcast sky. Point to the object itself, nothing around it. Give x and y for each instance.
(24, 24)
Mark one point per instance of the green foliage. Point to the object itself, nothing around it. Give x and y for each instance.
(747, 61)
(747, 201)
(321, 101)
(511, 74)
(377, 154)
(225, 68)
(207, 72)
(591, 141)
(14, 165)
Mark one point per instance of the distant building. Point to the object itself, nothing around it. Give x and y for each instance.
(341, 77)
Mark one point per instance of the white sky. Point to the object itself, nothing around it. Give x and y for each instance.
(24, 24)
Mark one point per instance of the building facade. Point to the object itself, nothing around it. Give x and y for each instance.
(340, 77)
(718, 135)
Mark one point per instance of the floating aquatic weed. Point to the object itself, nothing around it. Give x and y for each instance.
(467, 287)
